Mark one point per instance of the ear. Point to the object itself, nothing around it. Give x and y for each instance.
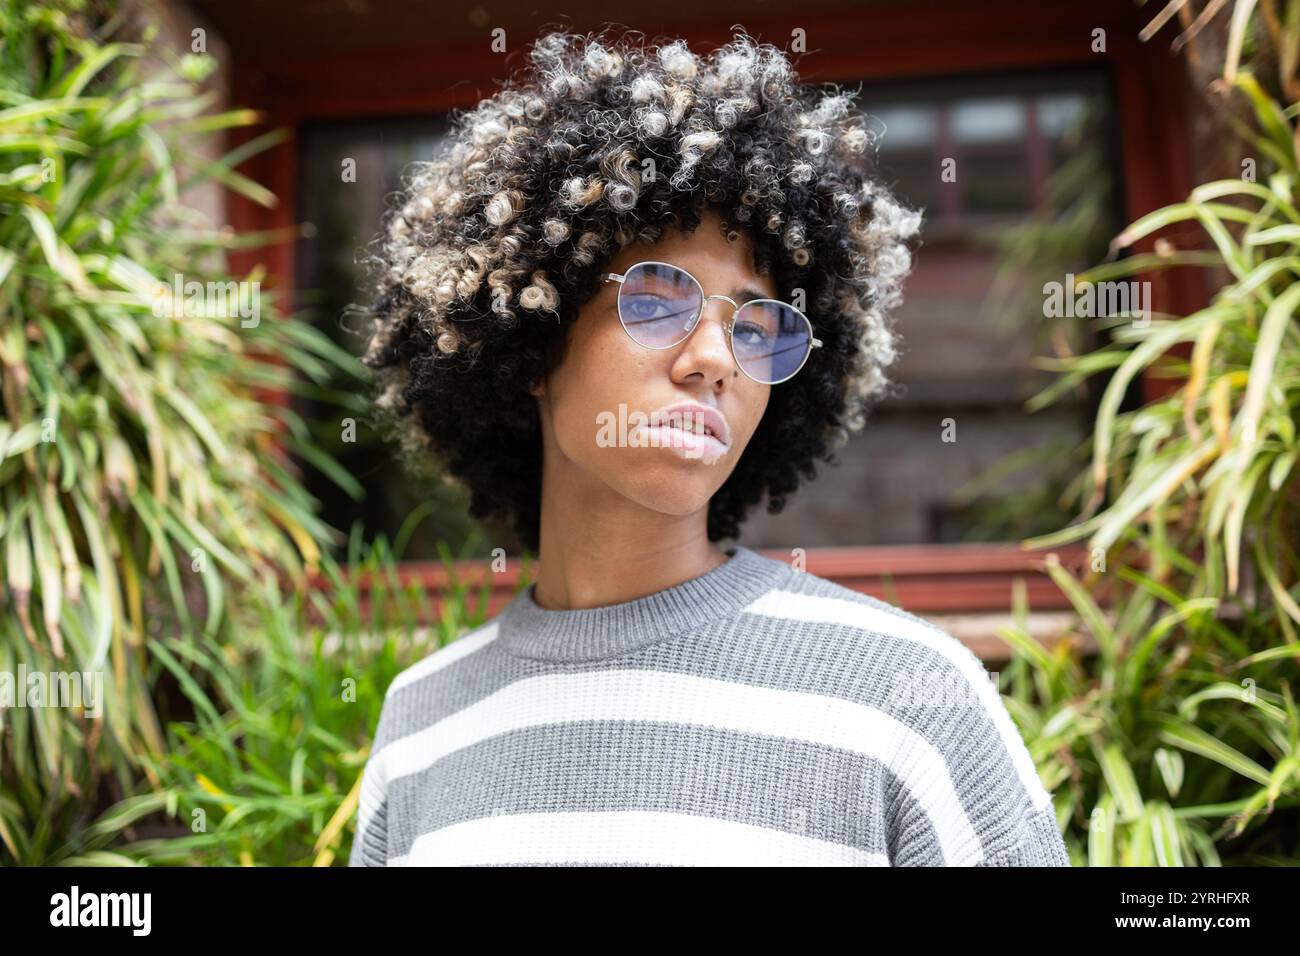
(537, 387)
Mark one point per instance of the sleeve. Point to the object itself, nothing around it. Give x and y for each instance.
(370, 843)
(968, 792)
(1039, 843)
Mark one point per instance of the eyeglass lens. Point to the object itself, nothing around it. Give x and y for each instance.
(659, 304)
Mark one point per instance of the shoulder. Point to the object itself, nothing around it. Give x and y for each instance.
(802, 603)
(418, 690)
(936, 693)
(468, 643)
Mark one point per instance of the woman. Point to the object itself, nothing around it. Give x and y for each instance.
(639, 290)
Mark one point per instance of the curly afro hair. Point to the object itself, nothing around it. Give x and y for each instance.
(494, 245)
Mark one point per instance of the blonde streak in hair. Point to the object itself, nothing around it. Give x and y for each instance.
(853, 140)
(814, 140)
(577, 87)
(579, 193)
(595, 59)
(794, 235)
(846, 204)
(682, 99)
(588, 247)
(651, 122)
(877, 344)
(448, 341)
(440, 285)
(594, 190)
(570, 192)
(624, 185)
(602, 63)
(679, 61)
(488, 134)
(541, 294)
(415, 271)
(801, 173)
(504, 206)
(565, 84)
(536, 109)
(614, 165)
(476, 170)
(736, 65)
(556, 231)
(693, 148)
(519, 135)
(646, 89)
(446, 292)
(794, 240)
(548, 49)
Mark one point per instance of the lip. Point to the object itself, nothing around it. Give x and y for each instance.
(688, 443)
(712, 419)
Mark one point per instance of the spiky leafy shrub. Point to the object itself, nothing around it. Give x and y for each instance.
(144, 463)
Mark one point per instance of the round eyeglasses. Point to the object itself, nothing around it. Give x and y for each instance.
(660, 304)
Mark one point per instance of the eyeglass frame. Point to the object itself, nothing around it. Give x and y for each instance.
(814, 342)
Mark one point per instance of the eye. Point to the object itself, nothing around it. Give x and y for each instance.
(647, 306)
(656, 314)
(751, 334)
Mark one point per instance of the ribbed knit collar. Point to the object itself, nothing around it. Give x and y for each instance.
(529, 630)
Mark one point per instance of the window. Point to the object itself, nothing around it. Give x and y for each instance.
(1018, 177)
(346, 212)
(1019, 149)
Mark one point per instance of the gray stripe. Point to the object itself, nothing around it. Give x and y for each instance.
(910, 838)
(800, 788)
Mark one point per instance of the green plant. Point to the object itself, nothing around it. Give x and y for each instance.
(1179, 741)
(144, 471)
(1160, 750)
(268, 772)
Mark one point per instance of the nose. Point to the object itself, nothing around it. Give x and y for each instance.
(707, 349)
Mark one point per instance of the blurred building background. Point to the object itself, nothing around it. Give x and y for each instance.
(1064, 127)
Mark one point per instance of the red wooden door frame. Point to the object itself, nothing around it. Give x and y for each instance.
(850, 47)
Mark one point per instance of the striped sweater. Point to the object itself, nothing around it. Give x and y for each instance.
(754, 715)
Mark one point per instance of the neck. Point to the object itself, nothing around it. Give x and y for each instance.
(599, 548)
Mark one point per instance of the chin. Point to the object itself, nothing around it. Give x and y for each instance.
(672, 491)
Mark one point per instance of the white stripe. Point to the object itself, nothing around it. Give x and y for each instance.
(625, 836)
(648, 695)
(373, 784)
(829, 610)
(444, 656)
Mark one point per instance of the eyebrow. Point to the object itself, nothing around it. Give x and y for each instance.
(743, 294)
